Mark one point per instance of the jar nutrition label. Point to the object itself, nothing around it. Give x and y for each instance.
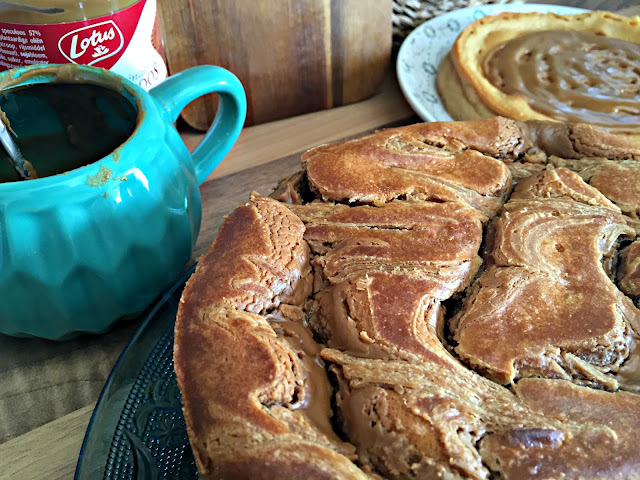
(120, 42)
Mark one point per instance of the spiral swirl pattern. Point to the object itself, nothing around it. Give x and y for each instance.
(572, 76)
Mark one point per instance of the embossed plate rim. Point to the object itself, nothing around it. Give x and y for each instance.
(424, 48)
(129, 355)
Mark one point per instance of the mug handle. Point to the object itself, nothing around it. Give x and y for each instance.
(178, 90)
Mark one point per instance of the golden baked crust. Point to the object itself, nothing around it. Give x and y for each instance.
(420, 161)
(238, 355)
(385, 329)
(457, 94)
(553, 87)
(546, 263)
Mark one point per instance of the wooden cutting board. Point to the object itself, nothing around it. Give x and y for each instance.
(292, 56)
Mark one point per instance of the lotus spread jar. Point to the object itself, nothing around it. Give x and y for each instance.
(119, 35)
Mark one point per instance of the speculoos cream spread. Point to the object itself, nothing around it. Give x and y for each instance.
(572, 76)
(544, 66)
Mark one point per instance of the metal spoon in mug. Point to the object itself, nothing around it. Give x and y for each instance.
(22, 166)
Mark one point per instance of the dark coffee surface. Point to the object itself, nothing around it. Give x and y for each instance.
(60, 127)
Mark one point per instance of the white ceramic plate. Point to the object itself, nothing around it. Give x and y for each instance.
(422, 51)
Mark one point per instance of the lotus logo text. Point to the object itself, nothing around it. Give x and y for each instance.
(91, 44)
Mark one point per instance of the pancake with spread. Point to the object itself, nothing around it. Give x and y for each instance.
(569, 68)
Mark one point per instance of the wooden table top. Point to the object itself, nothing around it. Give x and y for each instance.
(45, 445)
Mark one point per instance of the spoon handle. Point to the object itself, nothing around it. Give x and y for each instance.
(15, 156)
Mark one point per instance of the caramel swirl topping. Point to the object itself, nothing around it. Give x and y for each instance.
(572, 76)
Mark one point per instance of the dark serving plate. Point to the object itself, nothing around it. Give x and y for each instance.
(137, 429)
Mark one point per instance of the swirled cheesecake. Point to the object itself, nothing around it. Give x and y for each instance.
(442, 300)
(544, 66)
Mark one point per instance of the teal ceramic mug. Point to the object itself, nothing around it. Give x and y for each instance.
(82, 248)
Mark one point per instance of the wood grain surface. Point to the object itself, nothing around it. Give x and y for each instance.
(292, 56)
(32, 456)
